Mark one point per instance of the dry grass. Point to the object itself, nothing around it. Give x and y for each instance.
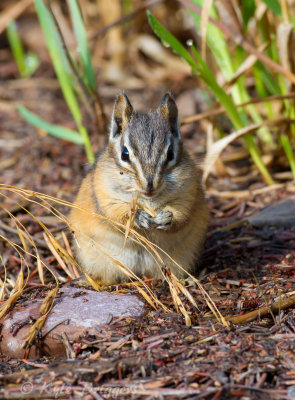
(11, 290)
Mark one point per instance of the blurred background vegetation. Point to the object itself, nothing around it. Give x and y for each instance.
(230, 65)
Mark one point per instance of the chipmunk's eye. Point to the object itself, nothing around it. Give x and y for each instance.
(125, 154)
(170, 153)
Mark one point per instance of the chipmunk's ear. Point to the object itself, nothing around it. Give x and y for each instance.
(122, 114)
(168, 111)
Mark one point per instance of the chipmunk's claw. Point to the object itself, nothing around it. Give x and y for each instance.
(143, 220)
(163, 220)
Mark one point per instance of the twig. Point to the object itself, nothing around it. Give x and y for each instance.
(68, 347)
(263, 311)
(289, 186)
(220, 110)
(257, 389)
(7, 228)
(12, 12)
(125, 18)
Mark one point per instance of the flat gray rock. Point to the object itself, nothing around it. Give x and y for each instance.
(76, 312)
(281, 214)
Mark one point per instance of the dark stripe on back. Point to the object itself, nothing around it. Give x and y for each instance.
(95, 199)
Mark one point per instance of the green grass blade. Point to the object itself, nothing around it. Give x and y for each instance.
(63, 71)
(251, 110)
(289, 152)
(269, 81)
(32, 63)
(59, 60)
(169, 39)
(262, 91)
(83, 47)
(200, 67)
(248, 11)
(219, 48)
(254, 152)
(54, 130)
(215, 40)
(224, 99)
(26, 63)
(274, 6)
(16, 47)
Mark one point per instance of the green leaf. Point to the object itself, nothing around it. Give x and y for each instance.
(219, 93)
(59, 60)
(26, 63)
(215, 40)
(267, 79)
(289, 152)
(198, 66)
(62, 68)
(54, 130)
(274, 6)
(219, 48)
(248, 11)
(83, 47)
(205, 73)
(168, 38)
(16, 47)
(32, 62)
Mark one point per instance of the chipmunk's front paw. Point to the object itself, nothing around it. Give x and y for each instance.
(163, 220)
(143, 220)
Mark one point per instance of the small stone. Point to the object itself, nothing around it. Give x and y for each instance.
(76, 312)
(291, 392)
(281, 214)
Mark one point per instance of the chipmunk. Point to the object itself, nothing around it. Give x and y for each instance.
(144, 155)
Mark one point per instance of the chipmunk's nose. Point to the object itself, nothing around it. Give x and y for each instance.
(150, 186)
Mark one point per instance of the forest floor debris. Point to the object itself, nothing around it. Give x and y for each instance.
(243, 269)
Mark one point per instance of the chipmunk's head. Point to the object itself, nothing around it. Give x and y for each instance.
(145, 147)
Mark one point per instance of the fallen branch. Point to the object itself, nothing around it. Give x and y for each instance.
(275, 308)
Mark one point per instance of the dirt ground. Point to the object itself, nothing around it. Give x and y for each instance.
(243, 269)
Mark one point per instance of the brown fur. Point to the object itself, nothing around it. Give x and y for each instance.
(103, 191)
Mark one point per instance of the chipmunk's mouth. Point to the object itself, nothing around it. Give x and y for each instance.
(154, 193)
(149, 194)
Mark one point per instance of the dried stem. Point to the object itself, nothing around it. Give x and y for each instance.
(263, 311)
(215, 112)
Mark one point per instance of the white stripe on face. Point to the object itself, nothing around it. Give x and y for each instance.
(133, 159)
(138, 166)
(163, 158)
